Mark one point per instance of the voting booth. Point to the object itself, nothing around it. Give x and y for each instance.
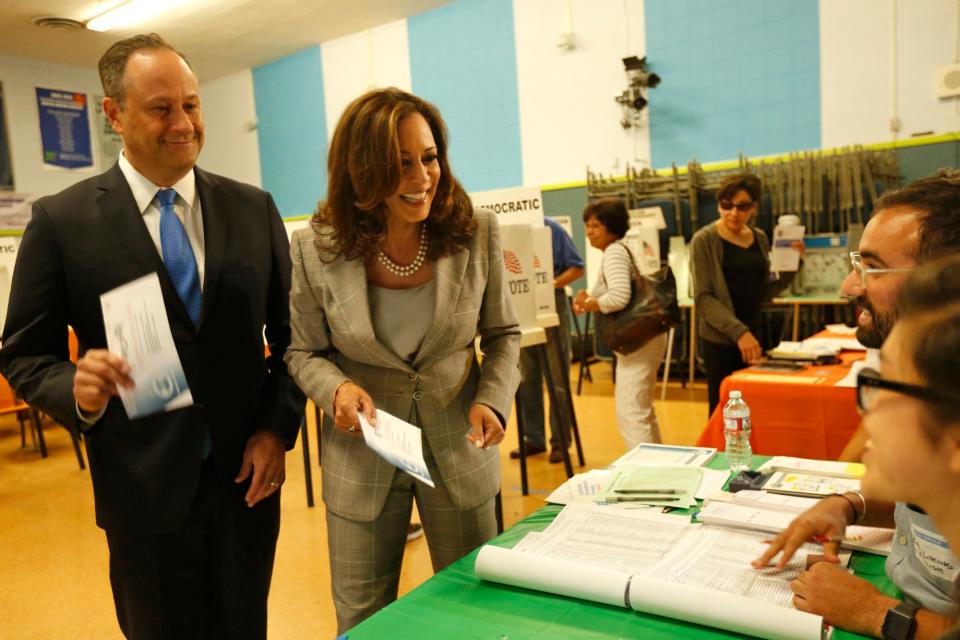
(527, 246)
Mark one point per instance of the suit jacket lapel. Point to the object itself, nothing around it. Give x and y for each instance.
(448, 272)
(348, 286)
(118, 207)
(216, 222)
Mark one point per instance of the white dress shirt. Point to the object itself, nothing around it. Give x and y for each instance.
(186, 206)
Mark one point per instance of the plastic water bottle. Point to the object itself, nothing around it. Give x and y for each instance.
(736, 431)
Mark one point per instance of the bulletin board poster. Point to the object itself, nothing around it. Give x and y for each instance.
(109, 141)
(6, 166)
(64, 129)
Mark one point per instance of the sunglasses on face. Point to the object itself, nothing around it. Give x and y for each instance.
(742, 207)
(869, 381)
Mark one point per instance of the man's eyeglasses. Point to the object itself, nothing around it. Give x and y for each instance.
(869, 382)
(742, 207)
(857, 263)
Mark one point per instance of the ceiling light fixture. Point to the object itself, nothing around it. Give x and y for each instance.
(130, 13)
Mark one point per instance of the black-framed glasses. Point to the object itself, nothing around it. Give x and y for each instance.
(856, 261)
(869, 381)
(742, 207)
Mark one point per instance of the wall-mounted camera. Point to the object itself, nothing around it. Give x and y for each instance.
(633, 99)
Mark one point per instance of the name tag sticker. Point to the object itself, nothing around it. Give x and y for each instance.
(934, 553)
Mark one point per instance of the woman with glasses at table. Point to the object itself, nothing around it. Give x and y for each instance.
(911, 413)
(731, 281)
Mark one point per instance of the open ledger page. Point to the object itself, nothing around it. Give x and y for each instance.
(658, 564)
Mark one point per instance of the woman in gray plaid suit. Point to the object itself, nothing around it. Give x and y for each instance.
(392, 282)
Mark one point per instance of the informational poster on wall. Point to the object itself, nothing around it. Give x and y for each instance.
(8, 257)
(109, 141)
(648, 217)
(64, 129)
(516, 241)
(6, 166)
(15, 210)
(517, 204)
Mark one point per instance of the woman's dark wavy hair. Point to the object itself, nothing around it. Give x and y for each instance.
(364, 169)
(611, 213)
(929, 304)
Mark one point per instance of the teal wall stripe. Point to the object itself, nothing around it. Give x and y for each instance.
(292, 130)
(738, 75)
(463, 59)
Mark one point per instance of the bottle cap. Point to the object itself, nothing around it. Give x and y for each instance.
(734, 394)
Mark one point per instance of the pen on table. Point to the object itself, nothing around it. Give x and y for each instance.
(641, 499)
(823, 539)
(649, 491)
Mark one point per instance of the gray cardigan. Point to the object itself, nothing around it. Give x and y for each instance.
(716, 321)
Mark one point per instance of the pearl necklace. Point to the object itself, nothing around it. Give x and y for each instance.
(406, 270)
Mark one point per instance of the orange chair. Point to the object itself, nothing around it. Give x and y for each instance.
(10, 403)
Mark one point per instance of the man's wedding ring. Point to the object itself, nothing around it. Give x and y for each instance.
(274, 484)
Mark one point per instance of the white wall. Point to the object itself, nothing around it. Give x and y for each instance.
(230, 148)
(857, 68)
(568, 118)
(20, 77)
(354, 64)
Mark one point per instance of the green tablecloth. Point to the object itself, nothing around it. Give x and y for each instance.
(455, 604)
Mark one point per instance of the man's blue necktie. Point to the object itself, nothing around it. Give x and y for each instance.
(178, 255)
(182, 267)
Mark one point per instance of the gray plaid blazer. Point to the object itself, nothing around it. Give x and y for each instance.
(333, 341)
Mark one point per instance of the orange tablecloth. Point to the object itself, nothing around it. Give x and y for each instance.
(808, 420)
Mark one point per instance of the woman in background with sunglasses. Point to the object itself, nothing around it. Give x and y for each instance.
(731, 281)
(911, 413)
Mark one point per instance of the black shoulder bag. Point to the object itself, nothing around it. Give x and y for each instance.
(652, 310)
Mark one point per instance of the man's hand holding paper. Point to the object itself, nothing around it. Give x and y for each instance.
(138, 334)
(98, 376)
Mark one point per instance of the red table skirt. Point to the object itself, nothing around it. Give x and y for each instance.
(807, 420)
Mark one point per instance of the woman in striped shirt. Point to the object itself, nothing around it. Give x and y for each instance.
(606, 223)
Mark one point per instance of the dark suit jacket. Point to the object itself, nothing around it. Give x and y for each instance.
(89, 239)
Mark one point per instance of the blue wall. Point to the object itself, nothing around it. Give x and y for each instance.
(463, 59)
(292, 130)
(738, 75)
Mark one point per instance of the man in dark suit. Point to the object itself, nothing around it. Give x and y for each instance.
(189, 498)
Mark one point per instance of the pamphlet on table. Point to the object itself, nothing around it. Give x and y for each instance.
(665, 454)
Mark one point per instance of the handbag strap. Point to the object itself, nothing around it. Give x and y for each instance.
(633, 266)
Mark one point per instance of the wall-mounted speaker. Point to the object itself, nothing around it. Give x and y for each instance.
(948, 81)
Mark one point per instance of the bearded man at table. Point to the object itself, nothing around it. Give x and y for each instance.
(909, 226)
(189, 498)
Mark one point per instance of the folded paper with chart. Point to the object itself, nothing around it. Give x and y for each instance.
(818, 467)
(658, 564)
(724, 511)
(809, 484)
